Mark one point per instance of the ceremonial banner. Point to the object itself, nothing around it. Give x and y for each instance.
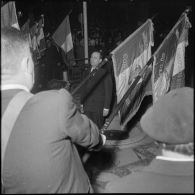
(128, 59)
(63, 39)
(135, 97)
(36, 38)
(26, 29)
(169, 60)
(8, 15)
(33, 32)
(40, 36)
(35, 49)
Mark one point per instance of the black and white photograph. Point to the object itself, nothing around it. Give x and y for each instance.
(97, 96)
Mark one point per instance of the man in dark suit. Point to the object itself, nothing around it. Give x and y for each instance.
(170, 121)
(96, 94)
(41, 156)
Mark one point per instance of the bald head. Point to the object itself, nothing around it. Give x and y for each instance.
(17, 66)
(14, 47)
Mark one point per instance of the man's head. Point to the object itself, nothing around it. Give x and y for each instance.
(95, 59)
(170, 121)
(171, 118)
(17, 66)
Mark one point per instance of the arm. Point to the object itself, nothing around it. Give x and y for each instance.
(78, 127)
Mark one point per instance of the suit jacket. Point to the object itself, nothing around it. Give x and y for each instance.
(161, 176)
(96, 94)
(40, 155)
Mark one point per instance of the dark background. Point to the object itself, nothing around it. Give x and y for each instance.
(112, 17)
(107, 14)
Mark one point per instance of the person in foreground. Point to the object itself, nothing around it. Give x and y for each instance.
(170, 122)
(41, 156)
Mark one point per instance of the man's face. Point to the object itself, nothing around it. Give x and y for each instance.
(95, 59)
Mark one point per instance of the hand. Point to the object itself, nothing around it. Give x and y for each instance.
(81, 109)
(105, 112)
(101, 143)
(103, 139)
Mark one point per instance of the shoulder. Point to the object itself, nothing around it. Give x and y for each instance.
(52, 96)
(52, 93)
(53, 103)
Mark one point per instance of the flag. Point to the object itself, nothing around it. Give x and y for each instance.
(8, 15)
(35, 49)
(128, 59)
(63, 38)
(169, 60)
(25, 28)
(135, 96)
(40, 36)
(33, 32)
(178, 77)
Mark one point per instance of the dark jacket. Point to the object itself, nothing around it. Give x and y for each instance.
(41, 156)
(161, 176)
(96, 94)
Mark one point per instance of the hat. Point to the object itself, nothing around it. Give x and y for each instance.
(171, 118)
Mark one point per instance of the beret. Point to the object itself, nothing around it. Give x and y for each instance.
(171, 118)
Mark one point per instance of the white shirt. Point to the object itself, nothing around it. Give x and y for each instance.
(92, 69)
(174, 159)
(14, 86)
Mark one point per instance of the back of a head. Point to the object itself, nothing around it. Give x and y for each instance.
(14, 46)
(171, 119)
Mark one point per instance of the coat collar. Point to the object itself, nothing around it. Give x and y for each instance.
(165, 167)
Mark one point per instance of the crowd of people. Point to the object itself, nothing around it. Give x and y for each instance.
(99, 38)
